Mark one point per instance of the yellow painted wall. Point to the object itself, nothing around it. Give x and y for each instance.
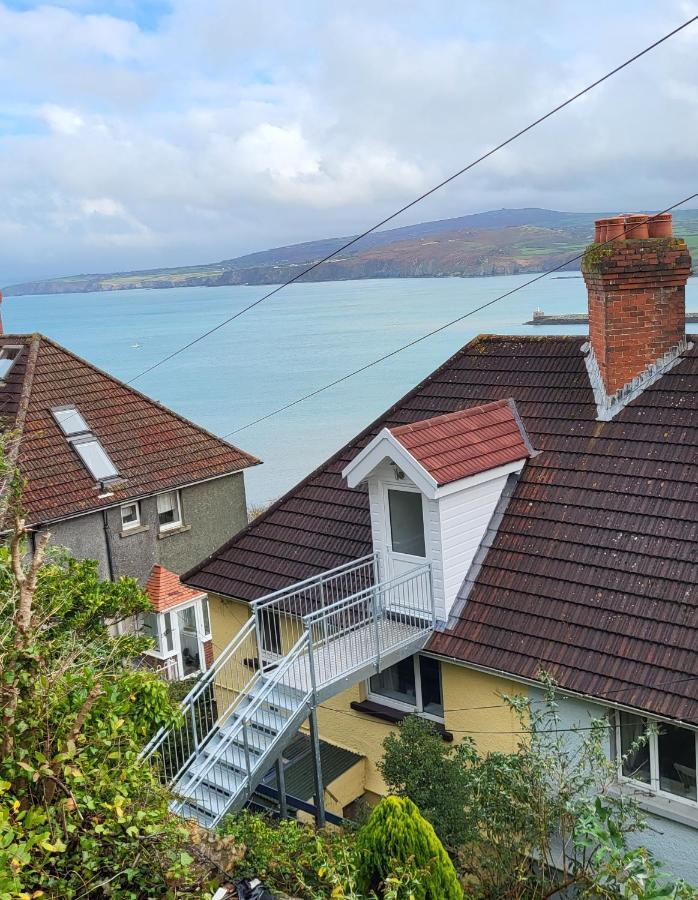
(227, 618)
(461, 688)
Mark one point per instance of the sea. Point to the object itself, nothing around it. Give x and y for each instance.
(304, 337)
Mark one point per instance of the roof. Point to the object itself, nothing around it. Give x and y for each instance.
(165, 590)
(593, 572)
(460, 444)
(153, 448)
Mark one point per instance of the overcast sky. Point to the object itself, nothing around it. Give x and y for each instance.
(137, 133)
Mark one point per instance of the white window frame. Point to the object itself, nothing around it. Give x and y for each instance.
(13, 360)
(170, 526)
(126, 526)
(176, 652)
(653, 787)
(406, 707)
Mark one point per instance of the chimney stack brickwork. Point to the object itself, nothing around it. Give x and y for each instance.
(637, 308)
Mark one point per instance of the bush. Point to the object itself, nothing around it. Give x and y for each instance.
(398, 838)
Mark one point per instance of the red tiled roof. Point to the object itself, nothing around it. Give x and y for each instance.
(593, 572)
(153, 448)
(458, 445)
(166, 590)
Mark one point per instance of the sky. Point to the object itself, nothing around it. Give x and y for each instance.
(155, 133)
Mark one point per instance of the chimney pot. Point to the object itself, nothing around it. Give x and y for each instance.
(615, 228)
(637, 227)
(660, 226)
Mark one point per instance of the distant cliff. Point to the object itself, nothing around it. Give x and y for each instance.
(500, 242)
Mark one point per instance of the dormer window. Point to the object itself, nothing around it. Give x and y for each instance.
(88, 447)
(406, 522)
(8, 356)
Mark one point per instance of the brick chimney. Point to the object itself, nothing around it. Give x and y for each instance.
(636, 274)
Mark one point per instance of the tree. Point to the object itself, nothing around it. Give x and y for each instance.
(396, 838)
(80, 814)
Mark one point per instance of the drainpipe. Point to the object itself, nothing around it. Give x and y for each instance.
(107, 544)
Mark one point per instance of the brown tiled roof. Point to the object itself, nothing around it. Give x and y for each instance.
(166, 590)
(153, 448)
(593, 573)
(458, 445)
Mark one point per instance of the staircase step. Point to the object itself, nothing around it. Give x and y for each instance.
(202, 796)
(234, 756)
(267, 720)
(219, 776)
(189, 811)
(281, 696)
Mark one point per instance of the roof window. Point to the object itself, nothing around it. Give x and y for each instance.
(69, 420)
(88, 447)
(8, 355)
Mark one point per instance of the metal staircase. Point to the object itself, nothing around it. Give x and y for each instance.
(300, 646)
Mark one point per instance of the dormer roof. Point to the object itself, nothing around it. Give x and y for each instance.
(442, 451)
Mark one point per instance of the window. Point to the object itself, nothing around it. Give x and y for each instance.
(169, 510)
(70, 421)
(130, 515)
(95, 458)
(205, 617)
(271, 634)
(413, 684)
(406, 523)
(666, 762)
(8, 355)
(149, 627)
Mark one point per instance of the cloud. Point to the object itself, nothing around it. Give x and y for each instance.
(139, 134)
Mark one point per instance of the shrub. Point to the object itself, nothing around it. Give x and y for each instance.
(398, 838)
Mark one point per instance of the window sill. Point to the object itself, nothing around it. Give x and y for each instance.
(664, 807)
(393, 716)
(138, 529)
(180, 529)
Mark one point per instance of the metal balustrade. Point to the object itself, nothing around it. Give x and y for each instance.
(300, 646)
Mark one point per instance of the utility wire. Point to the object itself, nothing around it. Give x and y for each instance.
(438, 330)
(412, 203)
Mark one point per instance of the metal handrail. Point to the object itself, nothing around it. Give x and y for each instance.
(314, 579)
(243, 722)
(326, 611)
(200, 685)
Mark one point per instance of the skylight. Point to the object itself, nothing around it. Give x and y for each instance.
(95, 458)
(69, 420)
(8, 355)
(87, 446)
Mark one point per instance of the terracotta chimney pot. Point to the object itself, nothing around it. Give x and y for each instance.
(660, 226)
(615, 228)
(637, 227)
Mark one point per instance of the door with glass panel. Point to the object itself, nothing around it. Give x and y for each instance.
(406, 535)
(188, 640)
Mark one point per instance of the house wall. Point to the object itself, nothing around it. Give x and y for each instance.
(211, 512)
(673, 842)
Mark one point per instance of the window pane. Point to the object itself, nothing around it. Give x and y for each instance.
(168, 509)
(430, 676)
(677, 761)
(406, 523)
(70, 421)
(149, 627)
(397, 682)
(204, 615)
(637, 765)
(93, 454)
(169, 637)
(129, 514)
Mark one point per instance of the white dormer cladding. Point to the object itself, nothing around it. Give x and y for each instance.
(455, 516)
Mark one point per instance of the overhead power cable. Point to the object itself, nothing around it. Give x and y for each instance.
(439, 329)
(412, 203)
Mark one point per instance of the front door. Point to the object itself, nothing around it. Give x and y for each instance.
(406, 534)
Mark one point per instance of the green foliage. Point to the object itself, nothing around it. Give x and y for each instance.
(412, 755)
(498, 811)
(397, 837)
(80, 814)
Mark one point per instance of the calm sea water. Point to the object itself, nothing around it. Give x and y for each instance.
(303, 337)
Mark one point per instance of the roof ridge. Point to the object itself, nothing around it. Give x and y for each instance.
(448, 417)
(254, 461)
